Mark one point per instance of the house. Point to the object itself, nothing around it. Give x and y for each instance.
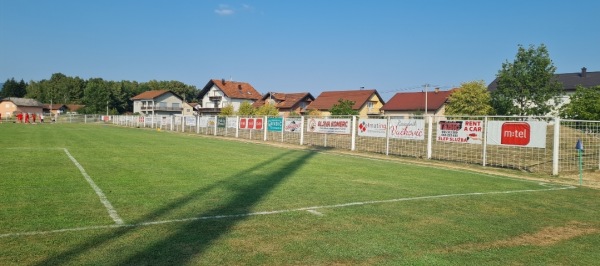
(55, 108)
(569, 81)
(12, 105)
(190, 109)
(286, 103)
(417, 103)
(220, 93)
(157, 102)
(366, 102)
(74, 108)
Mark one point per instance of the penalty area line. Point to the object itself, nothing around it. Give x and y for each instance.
(111, 210)
(304, 209)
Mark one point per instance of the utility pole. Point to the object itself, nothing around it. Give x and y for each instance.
(426, 85)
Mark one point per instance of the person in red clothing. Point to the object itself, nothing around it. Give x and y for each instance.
(0, 118)
(26, 118)
(33, 117)
(19, 117)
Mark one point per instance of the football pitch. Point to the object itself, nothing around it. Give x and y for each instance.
(80, 194)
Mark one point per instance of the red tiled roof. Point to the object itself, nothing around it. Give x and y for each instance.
(74, 107)
(233, 89)
(149, 95)
(284, 100)
(327, 99)
(415, 101)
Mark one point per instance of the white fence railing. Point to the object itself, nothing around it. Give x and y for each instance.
(534, 144)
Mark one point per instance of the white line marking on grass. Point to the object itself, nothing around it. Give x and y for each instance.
(111, 210)
(308, 209)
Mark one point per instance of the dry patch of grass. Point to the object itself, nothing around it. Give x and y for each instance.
(545, 237)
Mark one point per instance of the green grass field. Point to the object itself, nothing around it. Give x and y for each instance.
(77, 194)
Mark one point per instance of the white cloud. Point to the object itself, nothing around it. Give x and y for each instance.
(224, 10)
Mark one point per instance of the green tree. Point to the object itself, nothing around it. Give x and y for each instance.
(267, 109)
(246, 108)
(12, 88)
(472, 98)
(527, 86)
(343, 107)
(227, 110)
(96, 96)
(584, 104)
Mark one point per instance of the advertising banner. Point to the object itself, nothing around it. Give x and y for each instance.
(460, 131)
(275, 124)
(413, 129)
(232, 122)
(190, 121)
(203, 121)
(221, 121)
(517, 133)
(293, 124)
(333, 126)
(372, 127)
(251, 123)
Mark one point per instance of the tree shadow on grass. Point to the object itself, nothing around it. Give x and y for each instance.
(195, 236)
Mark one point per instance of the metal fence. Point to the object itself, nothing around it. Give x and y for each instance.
(534, 144)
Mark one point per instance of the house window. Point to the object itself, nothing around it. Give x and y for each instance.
(370, 106)
(162, 104)
(175, 106)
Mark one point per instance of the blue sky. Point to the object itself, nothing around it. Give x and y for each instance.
(292, 46)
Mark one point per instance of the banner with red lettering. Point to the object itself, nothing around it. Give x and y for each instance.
(517, 133)
(407, 129)
(334, 126)
(460, 131)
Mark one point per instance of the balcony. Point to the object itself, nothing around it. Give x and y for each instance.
(209, 110)
(215, 98)
(162, 108)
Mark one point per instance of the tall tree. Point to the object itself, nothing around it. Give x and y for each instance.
(97, 96)
(527, 86)
(343, 107)
(584, 104)
(472, 98)
(12, 88)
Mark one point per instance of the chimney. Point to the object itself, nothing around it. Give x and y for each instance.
(223, 81)
(436, 90)
(583, 72)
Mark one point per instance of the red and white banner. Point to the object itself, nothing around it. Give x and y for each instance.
(524, 134)
(407, 129)
(251, 123)
(372, 127)
(333, 126)
(460, 131)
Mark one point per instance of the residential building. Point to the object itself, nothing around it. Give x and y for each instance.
(157, 102)
(74, 108)
(286, 103)
(366, 102)
(55, 109)
(12, 105)
(569, 81)
(220, 93)
(408, 104)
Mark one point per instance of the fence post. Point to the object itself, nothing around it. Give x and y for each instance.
(484, 136)
(353, 128)
(429, 136)
(387, 136)
(237, 127)
(301, 130)
(556, 146)
(264, 128)
(215, 126)
(182, 123)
